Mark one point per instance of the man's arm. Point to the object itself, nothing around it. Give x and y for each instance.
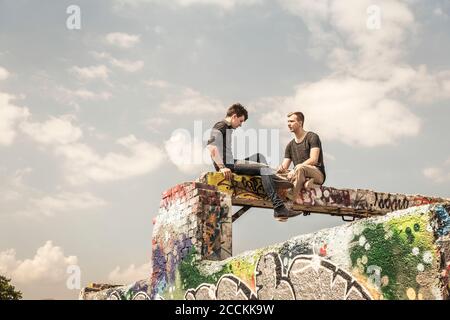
(313, 157)
(314, 152)
(284, 165)
(215, 155)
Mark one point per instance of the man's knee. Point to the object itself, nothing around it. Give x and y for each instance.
(301, 169)
(266, 171)
(258, 157)
(261, 158)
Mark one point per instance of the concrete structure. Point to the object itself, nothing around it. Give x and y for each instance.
(404, 254)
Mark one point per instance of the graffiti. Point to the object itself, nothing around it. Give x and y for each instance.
(308, 277)
(324, 196)
(136, 291)
(271, 285)
(244, 187)
(165, 265)
(443, 221)
(383, 251)
(335, 196)
(117, 295)
(229, 287)
(401, 255)
(212, 231)
(141, 296)
(390, 202)
(193, 218)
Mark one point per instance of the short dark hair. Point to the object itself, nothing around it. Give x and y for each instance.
(239, 110)
(300, 116)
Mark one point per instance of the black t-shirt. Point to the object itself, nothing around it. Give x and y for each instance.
(299, 152)
(221, 138)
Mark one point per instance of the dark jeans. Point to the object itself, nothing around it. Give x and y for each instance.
(256, 165)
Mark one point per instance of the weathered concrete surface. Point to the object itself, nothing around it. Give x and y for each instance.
(402, 255)
(248, 190)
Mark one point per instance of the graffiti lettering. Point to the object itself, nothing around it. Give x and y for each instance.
(308, 277)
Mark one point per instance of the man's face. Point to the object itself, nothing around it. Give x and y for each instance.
(236, 121)
(293, 123)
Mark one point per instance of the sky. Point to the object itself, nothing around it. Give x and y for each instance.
(101, 112)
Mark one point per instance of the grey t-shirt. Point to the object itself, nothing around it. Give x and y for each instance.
(221, 138)
(299, 152)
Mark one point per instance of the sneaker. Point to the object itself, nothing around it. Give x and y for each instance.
(282, 213)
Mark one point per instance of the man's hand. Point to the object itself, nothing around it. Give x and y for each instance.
(226, 172)
(290, 175)
(281, 169)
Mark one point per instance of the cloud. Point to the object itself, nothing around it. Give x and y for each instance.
(223, 4)
(161, 84)
(192, 102)
(131, 274)
(188, 154)
(89, 73)
(438, 174)
(82, 164)
(122, 40)
(53, 131)
(367, 118)
(49, 264)
(70, 96)
(127, 65)
(440, 13)
(367, 97)
(67, 202)
(4, 74)
(19, 198)
(154, 124)
(10, 117)
(124, 64)
(12, 187)
(426, 87)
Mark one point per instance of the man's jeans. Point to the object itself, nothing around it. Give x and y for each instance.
(256, 165)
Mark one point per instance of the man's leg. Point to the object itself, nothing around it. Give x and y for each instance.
(247, 167)
(256, 165)
(304, 172)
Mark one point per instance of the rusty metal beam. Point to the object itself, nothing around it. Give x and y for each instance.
(241, 211)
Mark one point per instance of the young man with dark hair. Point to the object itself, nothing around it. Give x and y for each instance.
(219, 146)
(305, 151)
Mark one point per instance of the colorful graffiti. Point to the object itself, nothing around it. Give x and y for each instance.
(307, 278)
(194, 219)
(135, 291)
(250, 188)
(247, 187)
(401, 255)
(375, 254)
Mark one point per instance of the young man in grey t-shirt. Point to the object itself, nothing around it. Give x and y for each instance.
(305, 151)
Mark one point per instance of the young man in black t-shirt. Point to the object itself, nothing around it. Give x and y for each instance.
(305, 151)
(219, 146)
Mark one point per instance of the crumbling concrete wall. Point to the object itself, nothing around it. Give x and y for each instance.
(402, 255)
(194, 223)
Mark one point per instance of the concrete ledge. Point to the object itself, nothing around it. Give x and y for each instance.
(360, 203)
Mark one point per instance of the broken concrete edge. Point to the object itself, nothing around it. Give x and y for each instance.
(352, 255)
